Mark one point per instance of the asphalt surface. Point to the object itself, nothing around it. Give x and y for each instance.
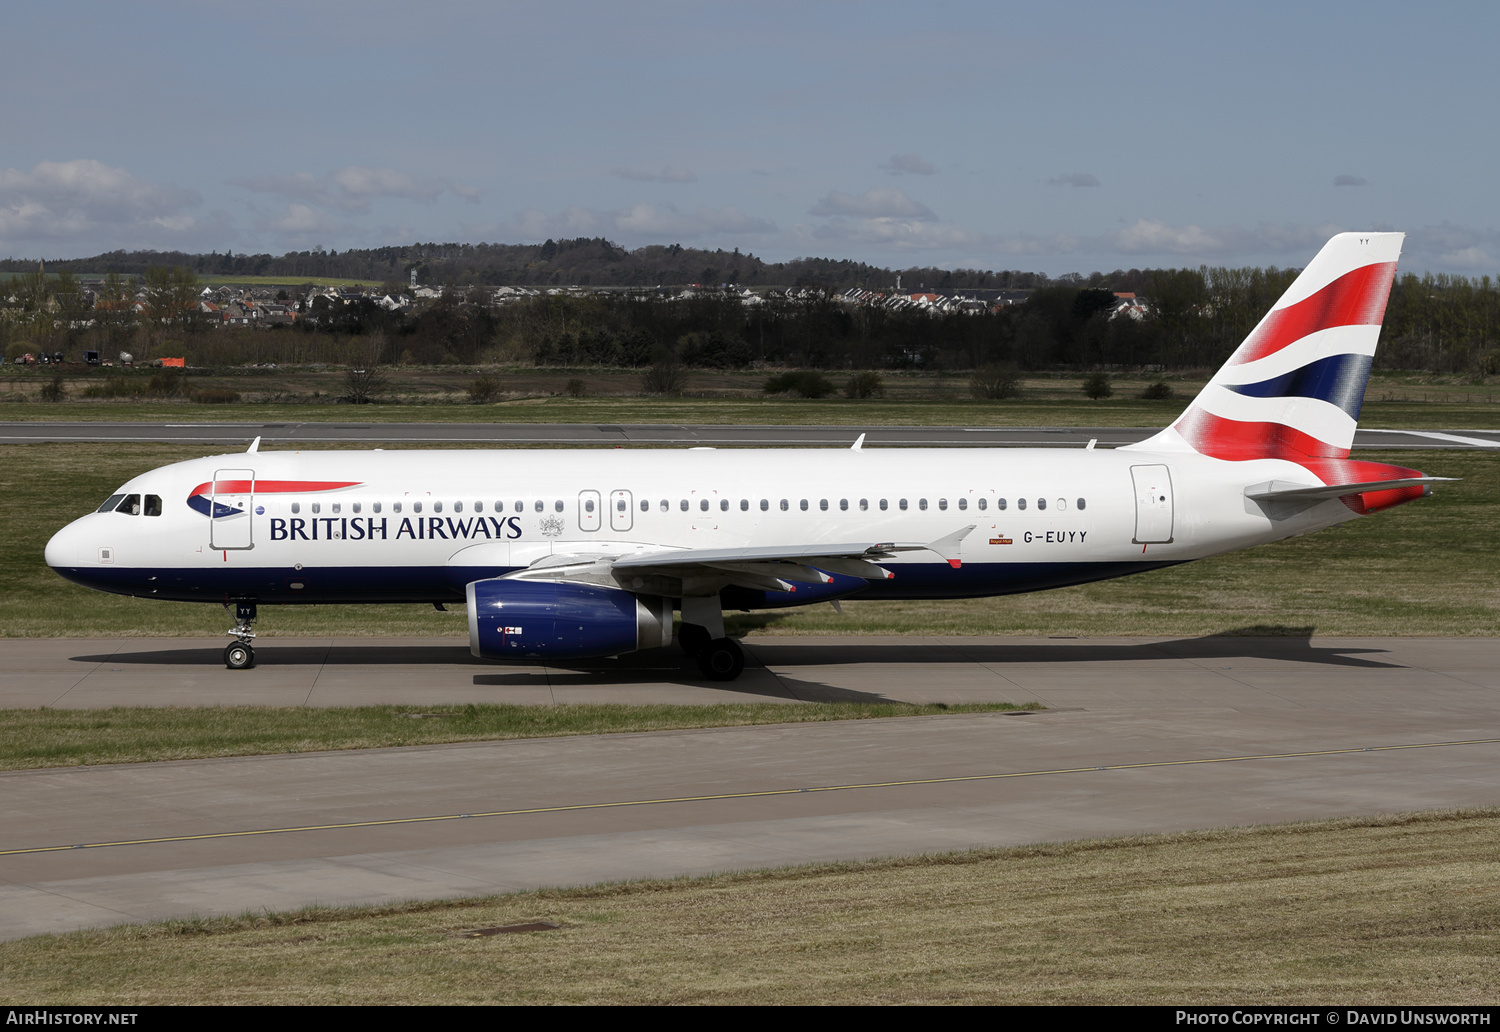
(238, 435)
(1142, 735)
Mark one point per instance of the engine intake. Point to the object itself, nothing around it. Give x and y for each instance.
(517, 619)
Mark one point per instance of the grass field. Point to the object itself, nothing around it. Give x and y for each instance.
(1431, 567)
(1389, 910)
(35, 738)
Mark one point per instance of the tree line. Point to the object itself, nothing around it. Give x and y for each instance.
(1193, 320)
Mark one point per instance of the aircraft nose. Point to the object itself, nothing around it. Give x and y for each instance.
(64, 547)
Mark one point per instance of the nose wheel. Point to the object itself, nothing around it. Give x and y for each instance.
(239, 656)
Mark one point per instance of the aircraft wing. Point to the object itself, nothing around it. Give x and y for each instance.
(701, 571)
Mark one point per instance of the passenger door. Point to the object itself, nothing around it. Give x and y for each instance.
(1153, 504)
(231, 507)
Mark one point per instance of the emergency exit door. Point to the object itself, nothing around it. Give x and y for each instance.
(1153, 504)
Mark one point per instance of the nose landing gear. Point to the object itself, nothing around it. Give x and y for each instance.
(240, 654)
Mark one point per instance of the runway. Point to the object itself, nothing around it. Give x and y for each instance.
(236, 436)
(1142, 735)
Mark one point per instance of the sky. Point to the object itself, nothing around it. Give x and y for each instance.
(1053, 137)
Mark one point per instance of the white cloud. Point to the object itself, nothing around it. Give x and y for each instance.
(88, 204)
(1074, 179)
(902, 164)
(666, 175)
(354, 187)
(880, 203)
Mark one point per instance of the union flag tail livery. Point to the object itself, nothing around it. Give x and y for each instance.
(571, 554)
(1293, 389)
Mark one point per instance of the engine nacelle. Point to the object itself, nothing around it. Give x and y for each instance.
(516, 619)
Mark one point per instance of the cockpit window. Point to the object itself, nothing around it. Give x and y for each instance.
(110, 503)
(131, 506)
(153, 505)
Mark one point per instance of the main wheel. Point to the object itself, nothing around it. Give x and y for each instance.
(239, 656)
(693, 638)
(721, 660)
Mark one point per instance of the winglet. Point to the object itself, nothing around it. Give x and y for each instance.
(858, 443)
(254, 447)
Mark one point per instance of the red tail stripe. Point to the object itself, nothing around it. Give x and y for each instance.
(1356, 298)
(271, 486)
(1234, 440)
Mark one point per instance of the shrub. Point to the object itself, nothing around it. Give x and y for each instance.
(216, 396)
(995, 383)
(168, 383)
(484, 389)
(1158, 391)
(575, 388)
(116, 386)
(865, 385)
(664, 377)
(803, 383)
(1097, 386)
(362, 385)
(55, 391)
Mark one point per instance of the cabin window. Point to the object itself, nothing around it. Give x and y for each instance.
(437, 506)
(619, 505)
(520, 506)
(922, 504)
(682, 505)
(645, 505)
(415, 506)
(297, 507)
(356, 506)
(703, 505)
(843, 505)
(375, 506)
(153, 505)
(983, 504)
(765, 503)
(902, 503)
(478, 506)
(1062, 505)
(1082, 504)
(395, 506)
(557, 506)
(317, 507)
(1020, 503)
(785, 505)
(337, 508)
(723, 504)
(665, 505)
(963, 503)
(588, 505)
(999, 504)
(744, 505)
(864, 503)
(458, 507)
(1041, 503)
(884, 505)
(804, 504)
(823, 504)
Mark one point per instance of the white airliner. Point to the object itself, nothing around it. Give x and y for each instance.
(574, 554)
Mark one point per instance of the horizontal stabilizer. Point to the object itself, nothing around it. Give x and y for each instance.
(1277, 491)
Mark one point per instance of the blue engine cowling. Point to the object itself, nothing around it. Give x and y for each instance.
(516, 619)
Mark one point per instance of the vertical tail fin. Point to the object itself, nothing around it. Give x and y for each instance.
(1294, 388)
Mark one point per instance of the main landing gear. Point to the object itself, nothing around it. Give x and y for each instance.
(240, 654)
(721, 659)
